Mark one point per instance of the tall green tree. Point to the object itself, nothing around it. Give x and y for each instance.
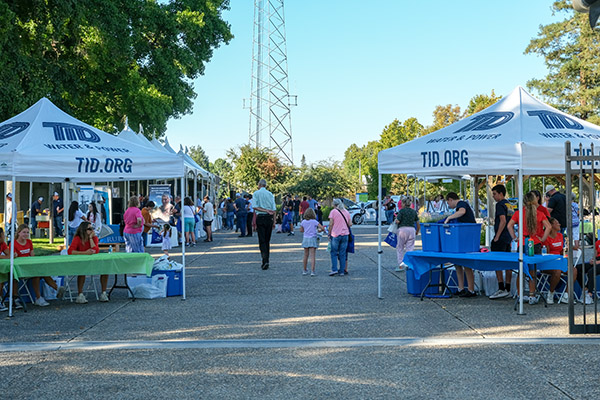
(251, 164)
(481, 102)
(323, 180)
(102, 59)
(444, 116)
(197, 154)
(571, 50)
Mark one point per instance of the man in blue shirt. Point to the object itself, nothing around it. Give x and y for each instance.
(36, 208)
(241, 213)
(462, 213)
(57, 214)
(264, 208)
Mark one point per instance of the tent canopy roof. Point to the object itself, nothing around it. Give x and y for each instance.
(517, 132)
(45, 144)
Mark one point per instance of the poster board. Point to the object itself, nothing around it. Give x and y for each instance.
(161, 196)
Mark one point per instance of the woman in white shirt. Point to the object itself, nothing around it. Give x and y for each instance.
(189, 216)
(94, 217)
(75, 219)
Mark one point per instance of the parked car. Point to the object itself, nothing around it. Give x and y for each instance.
(363, 212)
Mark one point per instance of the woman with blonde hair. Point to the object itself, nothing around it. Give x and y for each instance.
(309, 227)
(535, 227)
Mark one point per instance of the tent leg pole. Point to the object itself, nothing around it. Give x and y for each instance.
(520, 238)
(183, 233)
(67, 205)
(30, 202)
(379, 238)
(12, 250)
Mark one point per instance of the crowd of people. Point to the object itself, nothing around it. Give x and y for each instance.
(544, 223)
(83, 230)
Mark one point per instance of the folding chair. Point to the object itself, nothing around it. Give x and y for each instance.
(88, 287)
(543, 283)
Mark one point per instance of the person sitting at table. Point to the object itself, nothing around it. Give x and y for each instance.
(554, 245)
(86, 242)
(535, 227)
(24, 248)
(462, 213)
(5, 253)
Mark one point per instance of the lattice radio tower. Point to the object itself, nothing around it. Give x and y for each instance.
(270, 99)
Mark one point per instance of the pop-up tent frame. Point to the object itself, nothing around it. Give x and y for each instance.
(518, 135)
(45, 144)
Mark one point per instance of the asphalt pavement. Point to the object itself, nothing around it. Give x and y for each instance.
(247, 333)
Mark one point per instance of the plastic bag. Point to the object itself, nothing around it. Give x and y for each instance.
(157, 289)
(391, 239)
(393, 228)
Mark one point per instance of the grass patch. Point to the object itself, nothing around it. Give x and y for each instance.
(42, 246)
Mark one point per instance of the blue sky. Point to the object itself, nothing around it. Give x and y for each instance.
(358, 65)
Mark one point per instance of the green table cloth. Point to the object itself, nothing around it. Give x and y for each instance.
(95, 264)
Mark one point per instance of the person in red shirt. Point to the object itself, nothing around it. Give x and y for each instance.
(85, 241)
(24, 248)
(535, 227)
(541, 207)
(554, 245)
(5, 253)
(303, 206)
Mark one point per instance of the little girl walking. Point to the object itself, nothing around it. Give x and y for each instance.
(310, 227)
(166, 238)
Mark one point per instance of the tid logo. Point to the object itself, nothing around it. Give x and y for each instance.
(552, 120)
(71, 132)
(487, 121)
(12, 129)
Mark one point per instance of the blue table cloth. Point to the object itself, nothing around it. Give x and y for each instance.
(422, 262)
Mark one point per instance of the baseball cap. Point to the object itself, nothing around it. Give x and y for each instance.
(56, 194)
(9, 195)
(40, 198)
(549, 188)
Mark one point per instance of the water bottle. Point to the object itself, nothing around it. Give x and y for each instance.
(514, 246)
(544, 250)
(530, 247)
(110, 248)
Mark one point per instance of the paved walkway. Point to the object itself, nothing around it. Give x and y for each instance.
(248, 333)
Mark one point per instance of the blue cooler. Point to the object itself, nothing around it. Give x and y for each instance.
(416, 286)
(430, 236)
(460, 238)
(174, 283)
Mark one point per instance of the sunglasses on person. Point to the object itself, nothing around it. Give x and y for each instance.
(90, 229)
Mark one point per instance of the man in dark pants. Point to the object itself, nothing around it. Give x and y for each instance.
(250, 216)
(557, 206)
(36, 208)
(241, 208)
(57, 214)
(264, 207)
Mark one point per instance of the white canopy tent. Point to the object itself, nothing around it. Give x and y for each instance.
(45, 144)
(517, 135)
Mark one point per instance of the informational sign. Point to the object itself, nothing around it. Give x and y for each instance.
(162, 197)
(85, 195)
(364, 197)
(102, 199)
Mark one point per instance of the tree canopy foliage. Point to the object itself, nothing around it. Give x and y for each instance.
(571, 50)
(197, 154)
(102, 59)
